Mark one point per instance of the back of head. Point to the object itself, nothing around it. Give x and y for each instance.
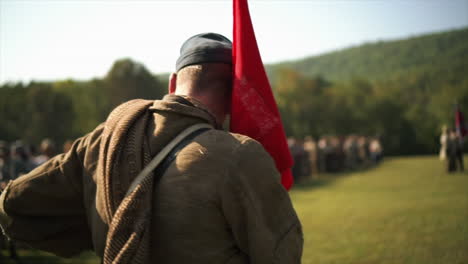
(204, 72)
(205, 64)
(47, 147)
(197, 80)
(19, 151)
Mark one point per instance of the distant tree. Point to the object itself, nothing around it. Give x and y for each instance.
(49, 114)
(301, 102)
(13, 115)
(128, 80)
(90, 105)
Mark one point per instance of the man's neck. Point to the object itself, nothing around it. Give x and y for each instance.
(205, 103)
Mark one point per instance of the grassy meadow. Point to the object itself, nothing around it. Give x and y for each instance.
(407, 210)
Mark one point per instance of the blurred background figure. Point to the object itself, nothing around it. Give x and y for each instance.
(461, 130)
(323, 152)
(21, 162)
(454, 152)
(459, 152)
(5, 176)
(362, 150)
(4, 164)
(350, 149)
(67, 146)
(443, 143)
(299, 156)
(311, 149)
(47, 151)
(375, 150)
(335, 156)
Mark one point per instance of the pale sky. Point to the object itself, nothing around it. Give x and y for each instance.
(46, 40)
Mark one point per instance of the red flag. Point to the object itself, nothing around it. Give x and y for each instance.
(460, 123)
(253, 108)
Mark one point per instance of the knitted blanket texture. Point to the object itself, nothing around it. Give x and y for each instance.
(122, 146)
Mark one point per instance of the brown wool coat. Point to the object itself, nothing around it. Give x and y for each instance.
(220, 201)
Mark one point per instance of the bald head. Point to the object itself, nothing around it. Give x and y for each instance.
(208, 77)
(204, 72)
(209, 83)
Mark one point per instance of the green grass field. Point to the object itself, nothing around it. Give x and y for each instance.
(407, 210)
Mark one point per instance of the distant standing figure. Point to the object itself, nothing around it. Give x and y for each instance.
(443, 144)
(67, 146)
(459, 152)
(20, 162)
(362, 149)
(311, 148)
(335, 158)
(5, 177)
(376, 150)
(351, 150)
(298, 154)
(47, 152)
(451, 150)
(4, 164)
(323, 151)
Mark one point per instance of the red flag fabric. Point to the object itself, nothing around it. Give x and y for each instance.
(460, 123)
(253, 108)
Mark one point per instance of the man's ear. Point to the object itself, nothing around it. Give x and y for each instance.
(172, 83)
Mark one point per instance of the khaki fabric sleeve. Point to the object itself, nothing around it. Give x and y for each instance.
(44, 208)
(258, 209)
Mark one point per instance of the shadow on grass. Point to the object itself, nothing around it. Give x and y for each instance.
(31, 260)
(326, 179)
(39, 257)
(313, 183)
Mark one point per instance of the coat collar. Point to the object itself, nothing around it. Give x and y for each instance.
(185, 105)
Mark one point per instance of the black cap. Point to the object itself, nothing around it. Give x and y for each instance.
(203, 48)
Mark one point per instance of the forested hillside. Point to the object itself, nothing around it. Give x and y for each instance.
(402, 91)
(440, 53)
(67, 109)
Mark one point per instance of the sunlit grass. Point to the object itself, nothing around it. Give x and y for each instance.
(407, 210)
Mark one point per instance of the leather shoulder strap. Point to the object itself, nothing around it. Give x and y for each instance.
(170, 151)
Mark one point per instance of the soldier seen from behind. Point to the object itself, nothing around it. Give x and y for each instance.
(218, 199)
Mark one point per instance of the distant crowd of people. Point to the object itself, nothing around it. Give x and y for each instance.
(451, 149)
(18, 158)
(333, 154)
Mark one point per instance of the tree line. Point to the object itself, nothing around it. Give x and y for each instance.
(68, 109)
(401, 90)
(410, 91)
(406, 116)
